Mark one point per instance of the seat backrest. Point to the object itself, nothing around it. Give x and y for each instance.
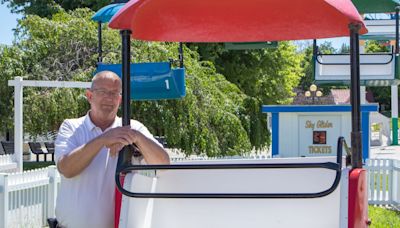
(35, 147)
(152, 81)
(327, 211)
(50, 147)
(8, 147)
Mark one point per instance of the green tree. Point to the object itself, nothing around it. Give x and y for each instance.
(211, 119)
(307, 65)
(344, 49)
(10, 65)
(266, 76)
(374, 46)
(46, 8)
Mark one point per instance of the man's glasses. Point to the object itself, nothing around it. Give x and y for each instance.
(104, 92)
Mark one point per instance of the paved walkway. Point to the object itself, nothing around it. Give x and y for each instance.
(392, 152)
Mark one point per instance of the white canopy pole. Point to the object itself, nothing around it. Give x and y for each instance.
(363, 95)
(19, 84)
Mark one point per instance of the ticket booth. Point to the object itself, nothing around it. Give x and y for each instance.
(307, 131)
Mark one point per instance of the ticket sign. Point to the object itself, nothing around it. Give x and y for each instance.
(313, 130)
(319, 134)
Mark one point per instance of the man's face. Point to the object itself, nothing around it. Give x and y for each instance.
(105, 97)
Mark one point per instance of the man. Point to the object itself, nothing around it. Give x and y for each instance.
(86, 156)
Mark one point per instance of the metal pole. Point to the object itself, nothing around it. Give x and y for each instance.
(180, 55)
(356, 135)
(126, 76)
(397, 30)
(100, 51)
(125, 155)
(315, 48)
(314, 56)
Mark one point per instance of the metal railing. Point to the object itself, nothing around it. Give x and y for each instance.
(123, 168)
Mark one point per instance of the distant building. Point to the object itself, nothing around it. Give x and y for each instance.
(336, 96)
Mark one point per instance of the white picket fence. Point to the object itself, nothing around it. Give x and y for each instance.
(7, 164)
(383, 181)
(27, 199)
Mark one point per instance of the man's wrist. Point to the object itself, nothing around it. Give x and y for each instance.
(99, 140)
(139, 137)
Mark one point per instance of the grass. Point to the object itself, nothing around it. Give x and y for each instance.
(383, 218)
(36, 165)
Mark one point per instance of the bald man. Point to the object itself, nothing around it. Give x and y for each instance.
(86, 151)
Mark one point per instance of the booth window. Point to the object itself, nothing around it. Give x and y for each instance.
(319, 137)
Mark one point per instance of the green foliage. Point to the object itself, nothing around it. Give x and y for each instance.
(59, 49)
(220, 114)
(207, 121)
(326, 48)
(307, 64)
(37, 165)
(383, 218)
(266, 76)
(373, 46)
(344, 49)
(10, 66)
(47, 8)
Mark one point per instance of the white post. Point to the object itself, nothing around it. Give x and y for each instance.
(19, 84)
(18, 122)
(3, 200)
(52, 192)
(396, 182)
(363, 95)
(390, 179)
(394, 101)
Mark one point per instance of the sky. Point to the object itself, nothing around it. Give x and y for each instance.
(336, 42)
(8, 22)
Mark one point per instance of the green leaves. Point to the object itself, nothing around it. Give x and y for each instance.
(206, 121)
(220, 114)
(265, 76)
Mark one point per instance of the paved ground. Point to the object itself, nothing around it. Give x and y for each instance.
(392, 152)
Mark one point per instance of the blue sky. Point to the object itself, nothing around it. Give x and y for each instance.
(8, 22)
(336, 42)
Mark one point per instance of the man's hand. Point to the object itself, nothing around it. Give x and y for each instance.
(115, 148)
(115, 139)
(119, 135)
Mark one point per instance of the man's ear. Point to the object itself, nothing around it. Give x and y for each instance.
(120, 100)
(89, 95)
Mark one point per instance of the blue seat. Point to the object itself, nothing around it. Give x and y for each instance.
(152, 81)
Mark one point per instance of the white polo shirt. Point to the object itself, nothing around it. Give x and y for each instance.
(87, 200)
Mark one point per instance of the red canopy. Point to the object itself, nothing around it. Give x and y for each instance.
(236, 20)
